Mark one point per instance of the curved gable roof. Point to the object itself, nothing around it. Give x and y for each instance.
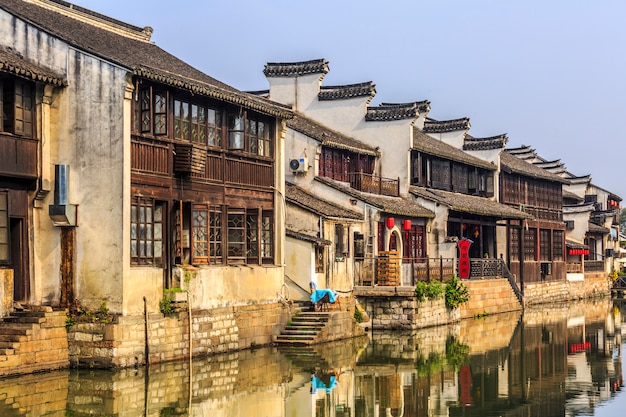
(512, 164)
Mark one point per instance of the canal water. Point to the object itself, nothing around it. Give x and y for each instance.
(557, 360)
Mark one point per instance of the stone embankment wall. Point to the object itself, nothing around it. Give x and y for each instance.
(594, 285)
(489, 296)
(133, 340)
(397, 308)
(340, 325)
(38, 343)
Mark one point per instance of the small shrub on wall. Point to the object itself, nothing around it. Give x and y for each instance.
(456, 292)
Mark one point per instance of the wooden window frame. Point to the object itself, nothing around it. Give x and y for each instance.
(319, 258)
(17, 102)
(5, 243)
(147, 231)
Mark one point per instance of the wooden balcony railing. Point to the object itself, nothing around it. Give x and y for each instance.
(166, 158)
(370, 183)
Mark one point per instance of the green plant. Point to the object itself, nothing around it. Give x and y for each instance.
(69, 322)
(358, 316)
(457, 353)
(189, 275)
(435, 362)
(420, 290)
(456, 292)
(165, 305)
(433, 290)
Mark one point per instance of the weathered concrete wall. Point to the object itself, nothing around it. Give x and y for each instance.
(6, 291)
(130, 341)
(594, 285)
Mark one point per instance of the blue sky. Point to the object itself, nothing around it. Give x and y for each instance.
(550, 74)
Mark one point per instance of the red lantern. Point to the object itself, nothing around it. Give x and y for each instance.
(406, 225)
(390, 222)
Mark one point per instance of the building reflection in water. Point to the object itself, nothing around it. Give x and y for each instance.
(562, 360)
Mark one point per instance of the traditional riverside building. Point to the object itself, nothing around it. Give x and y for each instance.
(125, 173)
(461, 189)
(536, 247)
(340, 149)
(591, 216)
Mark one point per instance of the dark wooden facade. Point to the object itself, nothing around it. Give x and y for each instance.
(445, 174)
(536, 248)
(204, 171)
(19, 175)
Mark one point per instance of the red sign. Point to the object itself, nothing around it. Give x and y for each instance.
(464, 261)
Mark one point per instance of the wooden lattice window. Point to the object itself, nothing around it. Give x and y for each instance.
(514, 244)
(5, 256)
(153, 111)
(146, 231)
(215, 236)
(200, 231)
(18, 107)
(530, 249)
(557, 245)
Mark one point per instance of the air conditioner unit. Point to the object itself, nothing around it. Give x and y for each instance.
(299, 165)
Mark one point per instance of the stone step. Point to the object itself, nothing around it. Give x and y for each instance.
(13, 338)
(302, 317)
(305, 326)
(299, 332)
(317, 314)
(9, 345)
(6, 352)
(16, 329)
(28, 319)
(295, 339)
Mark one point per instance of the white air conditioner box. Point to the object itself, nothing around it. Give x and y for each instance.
(299, 165)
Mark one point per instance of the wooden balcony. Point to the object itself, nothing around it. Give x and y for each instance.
(18, 157)
(370, 183)
(163, 158)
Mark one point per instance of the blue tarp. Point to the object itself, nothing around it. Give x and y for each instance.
(317, 383)
(319, 294)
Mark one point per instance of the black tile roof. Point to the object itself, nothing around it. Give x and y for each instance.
(328, 137)
(132, 50)
(597, 229)
(300, 197)
(471, 143)
(400, 206)
(307, 237)
(512, 164)
(291, 69)
(389, 111)
(427, 144)
(575, 245)
(342, 92)
(15, 64)
(469, 204)
(436, 126)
